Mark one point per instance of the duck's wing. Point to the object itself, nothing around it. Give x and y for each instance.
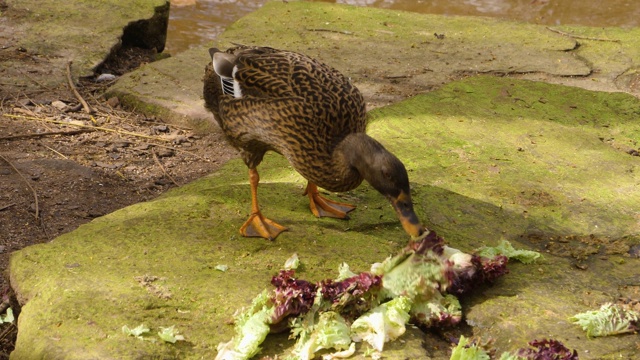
(338, 107)
(269, 124)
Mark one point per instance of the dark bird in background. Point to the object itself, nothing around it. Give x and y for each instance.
(268, 99)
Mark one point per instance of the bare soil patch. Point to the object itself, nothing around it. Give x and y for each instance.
(61, 166)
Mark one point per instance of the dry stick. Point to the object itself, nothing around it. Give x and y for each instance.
(49, 133)
(123, 132)
(86, 106)
(7, 206)
(55, 151)
(578, 36)
(155, 157)
(7, 331)
(345, 32)
(35, 195)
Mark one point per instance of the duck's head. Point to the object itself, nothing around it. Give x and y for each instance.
(387, 174)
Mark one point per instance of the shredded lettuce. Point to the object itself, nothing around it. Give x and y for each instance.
(292, 262)
(345, 272)
(331, 332)
(136, 332)
(418, 284)
(541, 350)
(611, 319)
(545, 349)
(505, 248)
(466, 350)
(384, 323)
(440, 310)
(170, 335)
(252, 327)
(419, 270)
(8, 318)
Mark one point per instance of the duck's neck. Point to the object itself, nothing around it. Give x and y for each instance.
(363, 157)
(385, 172)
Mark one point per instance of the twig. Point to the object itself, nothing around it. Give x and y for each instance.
(178, 149)
(35, 195)
(578, 36)
(55, 151)
(5, 333)
(7, 206)
(49, 133)
(86, 106)
(122, 132)
(9, 84)
(155, 157)
(397, 76)
(345, 32)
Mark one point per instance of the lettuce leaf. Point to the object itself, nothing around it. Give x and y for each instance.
(440, 310)
(545, 350)
(466, 350)
(330, 332)
(610, 319)
(170, 334)
(252, 327)
(384, 323)
(506, 249)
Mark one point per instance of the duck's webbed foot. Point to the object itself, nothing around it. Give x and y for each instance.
(321, 206)
(259, 226)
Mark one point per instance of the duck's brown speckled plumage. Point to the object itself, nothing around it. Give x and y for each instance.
(291, 104)
(311, 114)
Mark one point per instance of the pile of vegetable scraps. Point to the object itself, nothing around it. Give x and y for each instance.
(419, 286)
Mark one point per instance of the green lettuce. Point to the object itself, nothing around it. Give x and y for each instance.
(468, 351)
(384, 323)
(611, 319)
(330, 332)
(252, 327)
(505, 248)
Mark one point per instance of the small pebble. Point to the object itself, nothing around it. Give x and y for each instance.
(163, 152)
(59, 105)
(105, 77)
(161, 128)
(113, 101)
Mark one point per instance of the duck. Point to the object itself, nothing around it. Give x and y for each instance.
(266, 99)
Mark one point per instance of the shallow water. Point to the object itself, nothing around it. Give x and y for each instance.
(197, 22)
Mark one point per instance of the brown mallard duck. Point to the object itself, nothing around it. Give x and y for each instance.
(268, 99)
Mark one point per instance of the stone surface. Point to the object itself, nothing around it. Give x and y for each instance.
(545, 166)
(391, 55)
(489, 158)
(51, 33)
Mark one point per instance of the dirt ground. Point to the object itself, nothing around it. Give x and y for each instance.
(61, 166)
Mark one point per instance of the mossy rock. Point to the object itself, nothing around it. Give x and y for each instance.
(392, 55)
(489, 158)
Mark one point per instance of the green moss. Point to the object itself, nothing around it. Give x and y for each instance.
(70, 27)
(554, 152)
(488, 158)
(482, 164)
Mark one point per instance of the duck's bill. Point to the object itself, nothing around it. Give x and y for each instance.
(408, 218)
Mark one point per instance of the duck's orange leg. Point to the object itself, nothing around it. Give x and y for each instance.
(257, 225)
(321, 206)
